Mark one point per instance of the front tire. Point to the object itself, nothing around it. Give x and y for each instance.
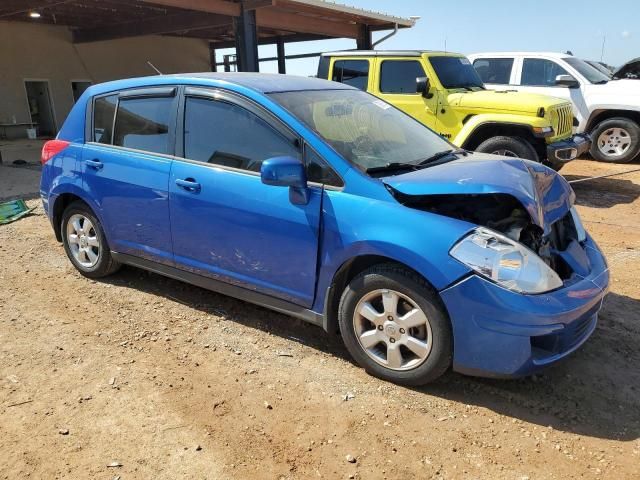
(509, 147)
(394, 325)
(85, 243)
(616, 140)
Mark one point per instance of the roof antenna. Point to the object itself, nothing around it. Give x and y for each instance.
(154, 67)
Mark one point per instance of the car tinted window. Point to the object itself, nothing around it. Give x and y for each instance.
(540, 72)
(352, 72)
(226, 134)
(399, 76)
(456, 72)
(104, 108)
(319, 171)
(143, 123)
(494, 70)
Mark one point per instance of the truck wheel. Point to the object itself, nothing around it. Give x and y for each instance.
(395, 326)
(509, 147)
(616, 140)
(85, 243)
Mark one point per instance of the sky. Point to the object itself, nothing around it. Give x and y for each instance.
(469, 26)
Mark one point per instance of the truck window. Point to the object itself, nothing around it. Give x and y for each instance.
(399, 76)
(494, 70)
(351, 72)
(540, 72)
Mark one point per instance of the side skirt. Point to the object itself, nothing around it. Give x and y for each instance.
(224, 288)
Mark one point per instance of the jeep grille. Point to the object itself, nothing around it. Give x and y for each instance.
(562, 120)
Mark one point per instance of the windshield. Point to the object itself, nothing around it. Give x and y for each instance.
(592, 74)
(365, 130)
(456, 72)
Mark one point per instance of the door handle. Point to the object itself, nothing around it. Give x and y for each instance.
(188, 184)
(95, 163)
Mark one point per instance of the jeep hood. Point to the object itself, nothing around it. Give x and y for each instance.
(504, 100)
(542, 192)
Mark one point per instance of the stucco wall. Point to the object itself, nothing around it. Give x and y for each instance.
(39, 52)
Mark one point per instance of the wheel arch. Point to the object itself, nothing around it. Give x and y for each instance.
(487, 130)
(600, 115)
(347, 272)
(62, 200)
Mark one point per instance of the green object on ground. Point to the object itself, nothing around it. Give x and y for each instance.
(13, 210)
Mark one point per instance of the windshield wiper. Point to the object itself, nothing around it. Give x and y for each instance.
(442, 155)
(391, 166)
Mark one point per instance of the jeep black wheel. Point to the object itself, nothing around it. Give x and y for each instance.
(508, 147)
(395, 326)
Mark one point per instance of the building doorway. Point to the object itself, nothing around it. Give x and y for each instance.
(40, 107)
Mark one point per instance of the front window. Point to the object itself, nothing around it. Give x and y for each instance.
(456, 72)
(399, 76)
(591, 73)
(351, 72)
(539, 72)
(365, 130)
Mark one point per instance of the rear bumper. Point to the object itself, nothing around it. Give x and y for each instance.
(566, 150)
(500, 333)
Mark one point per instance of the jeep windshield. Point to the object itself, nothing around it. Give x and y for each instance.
(368, 132)
(456, 72)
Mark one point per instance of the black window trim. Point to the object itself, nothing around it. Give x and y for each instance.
(415, 60)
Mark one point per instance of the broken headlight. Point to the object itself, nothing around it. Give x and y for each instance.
(505, 261)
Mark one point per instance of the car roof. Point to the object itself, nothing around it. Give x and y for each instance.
(387, 53)
(259, 82)
(520, 54)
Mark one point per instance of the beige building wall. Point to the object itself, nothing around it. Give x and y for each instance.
(41, 52)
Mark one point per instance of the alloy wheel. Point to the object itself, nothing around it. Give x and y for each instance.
(614, 142)
(392, 329)
(83, 241)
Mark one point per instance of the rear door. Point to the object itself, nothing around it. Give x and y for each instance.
(228, 225)
(126, 167)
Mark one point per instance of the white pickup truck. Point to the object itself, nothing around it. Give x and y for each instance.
(608, 110)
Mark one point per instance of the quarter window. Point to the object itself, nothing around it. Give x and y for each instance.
(494, 70)
(222, 133)
(399, 76)
(352, 72)
(104, 108)
(143, 123)
(319, 171)
(540, 72)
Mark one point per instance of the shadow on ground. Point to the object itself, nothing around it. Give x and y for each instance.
(595, 392)
(604, 192)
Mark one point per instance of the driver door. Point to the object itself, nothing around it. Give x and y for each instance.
(225, 223)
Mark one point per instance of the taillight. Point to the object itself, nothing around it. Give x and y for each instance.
(52, 148)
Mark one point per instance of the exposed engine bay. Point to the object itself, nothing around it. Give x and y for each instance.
(505, 214)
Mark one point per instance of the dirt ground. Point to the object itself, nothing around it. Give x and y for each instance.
(139, 376)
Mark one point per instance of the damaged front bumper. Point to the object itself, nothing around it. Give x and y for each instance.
(566, 150)
(501, 333)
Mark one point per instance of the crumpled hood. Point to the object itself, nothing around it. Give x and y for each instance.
(508, 100)
(631, 69)
(543, 193)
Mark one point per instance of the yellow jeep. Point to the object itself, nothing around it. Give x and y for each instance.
(444, 92)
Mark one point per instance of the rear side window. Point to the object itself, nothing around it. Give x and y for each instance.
(104, 108)
(351, 72)
(540, 72)
(494, 70)
(143, 123)
(399, 76)
(222, 133)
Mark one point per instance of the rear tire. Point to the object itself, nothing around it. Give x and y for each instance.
(616, 140)
(509, 147)
(85, 243)
(394, 325)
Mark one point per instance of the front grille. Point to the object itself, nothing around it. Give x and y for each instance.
(562, 120)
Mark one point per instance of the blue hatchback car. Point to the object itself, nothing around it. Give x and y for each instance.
(321, 201)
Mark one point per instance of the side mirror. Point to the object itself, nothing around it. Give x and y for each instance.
(567, 81)
(286, 172)
(423, 86)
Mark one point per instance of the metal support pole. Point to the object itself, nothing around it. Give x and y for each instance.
(246, 41)
(212, 58)
(364, 40)
(282, 68)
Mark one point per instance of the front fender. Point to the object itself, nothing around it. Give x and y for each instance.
(498, 119)
(357, 226)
